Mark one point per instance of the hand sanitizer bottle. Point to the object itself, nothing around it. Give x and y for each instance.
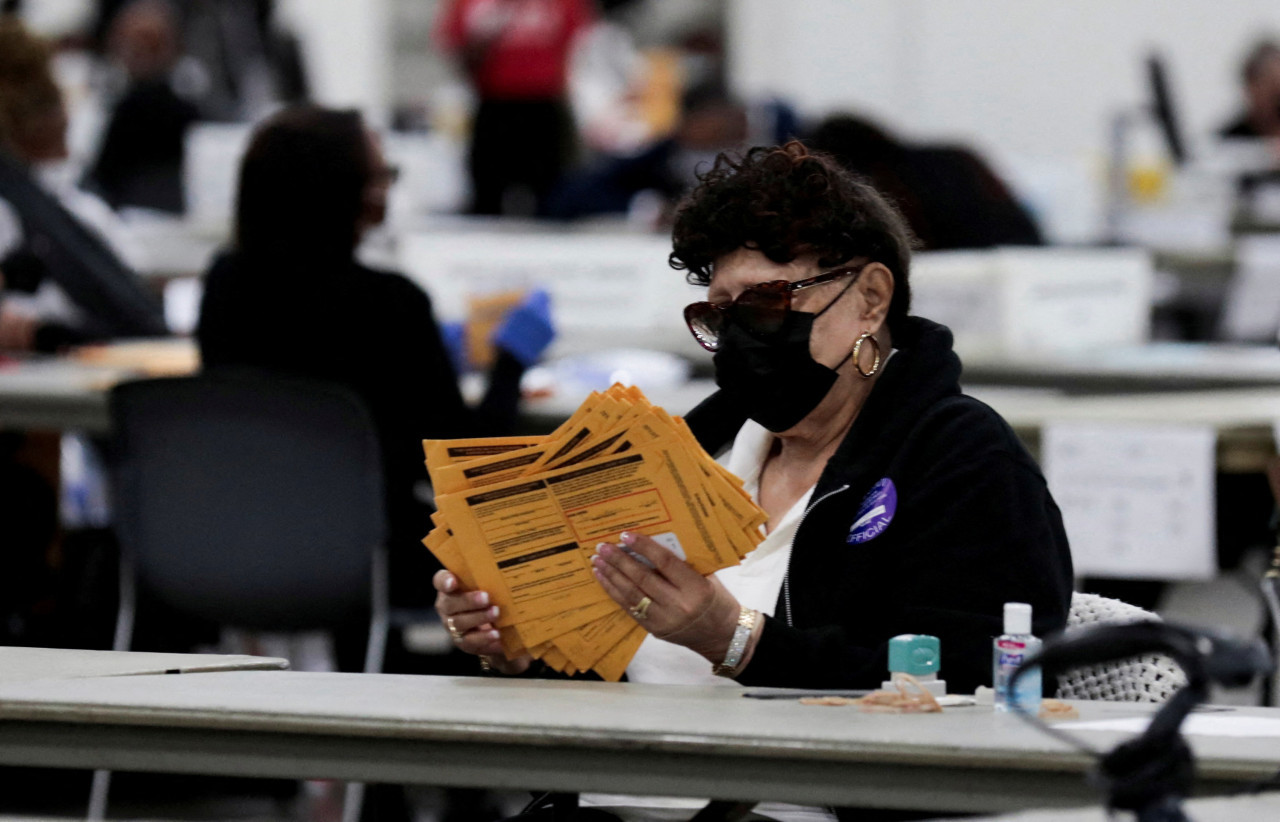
(1009, 651)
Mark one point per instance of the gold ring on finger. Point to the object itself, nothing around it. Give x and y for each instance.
(641, 609)
(453, 629)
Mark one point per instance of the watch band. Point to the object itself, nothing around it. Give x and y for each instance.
(747, 619)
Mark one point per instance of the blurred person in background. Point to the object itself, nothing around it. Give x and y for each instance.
(63, 251)
(140, 160)
(950, 197)
(648, 184)
(237, 62)
(1260, 74)
(290, 296)
(515, 54)
(609, 78)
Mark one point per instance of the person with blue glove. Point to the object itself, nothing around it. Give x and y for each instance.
(524, 333)
(527, 329)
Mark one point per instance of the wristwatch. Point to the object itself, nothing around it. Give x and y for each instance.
(747, 619)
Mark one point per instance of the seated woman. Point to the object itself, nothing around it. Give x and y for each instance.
(896, 504)
(291, 296)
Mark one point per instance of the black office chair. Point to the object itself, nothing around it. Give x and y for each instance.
(253, 501)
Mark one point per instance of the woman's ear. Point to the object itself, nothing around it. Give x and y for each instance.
(875, 285)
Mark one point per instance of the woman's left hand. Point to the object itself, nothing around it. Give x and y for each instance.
(665, 595)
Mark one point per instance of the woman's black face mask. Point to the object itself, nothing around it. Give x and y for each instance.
(776, 381)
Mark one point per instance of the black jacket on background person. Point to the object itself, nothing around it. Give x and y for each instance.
(375, 332)
(140, 162)
(974, 527)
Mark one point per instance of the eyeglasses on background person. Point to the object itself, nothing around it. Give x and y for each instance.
(759, 310)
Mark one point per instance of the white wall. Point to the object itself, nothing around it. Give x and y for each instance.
(1016, 77)
(347, 49)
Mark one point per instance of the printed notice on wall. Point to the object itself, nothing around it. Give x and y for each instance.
(1137, 500)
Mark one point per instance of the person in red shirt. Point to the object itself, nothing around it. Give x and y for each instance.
(515, 54)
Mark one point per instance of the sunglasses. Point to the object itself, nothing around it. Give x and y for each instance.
(760, 310)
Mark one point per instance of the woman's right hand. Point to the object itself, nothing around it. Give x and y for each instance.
(469, 617)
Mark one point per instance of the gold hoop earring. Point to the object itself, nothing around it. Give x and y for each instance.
(857, 351)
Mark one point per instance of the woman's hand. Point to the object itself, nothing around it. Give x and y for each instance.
(470, 620)
(665, 595)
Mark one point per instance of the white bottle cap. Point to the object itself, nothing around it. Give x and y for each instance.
(1017, 618)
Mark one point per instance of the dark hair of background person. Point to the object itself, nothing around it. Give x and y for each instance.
(784, 202)
(302, 186)
(949, 196)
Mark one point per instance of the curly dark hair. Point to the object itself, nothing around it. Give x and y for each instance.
(785, 201)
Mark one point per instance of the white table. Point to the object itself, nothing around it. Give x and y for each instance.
(18, 664)
(1244, 418)
(572, 736)
(60, 393)
(56, 395)
(1155, 366)
(1262, 808)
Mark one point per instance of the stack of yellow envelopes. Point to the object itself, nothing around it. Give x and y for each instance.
(520, 517)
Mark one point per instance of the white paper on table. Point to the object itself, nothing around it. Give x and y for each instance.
(1195, 725)
(1137, 500)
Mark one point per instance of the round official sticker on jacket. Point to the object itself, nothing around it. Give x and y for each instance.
(875, 513)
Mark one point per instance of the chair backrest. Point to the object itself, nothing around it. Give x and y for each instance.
(249, 499)
(1146, 678)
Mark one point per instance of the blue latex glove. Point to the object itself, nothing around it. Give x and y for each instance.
(454, 337)
(527, 329)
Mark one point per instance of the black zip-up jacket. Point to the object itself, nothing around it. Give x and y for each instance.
(974, 527)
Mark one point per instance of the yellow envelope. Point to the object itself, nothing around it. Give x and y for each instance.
(446, 452)
(614, 664)
(520, 518)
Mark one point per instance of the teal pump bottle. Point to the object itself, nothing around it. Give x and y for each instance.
(918, 655)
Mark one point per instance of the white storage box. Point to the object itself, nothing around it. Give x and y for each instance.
(1020, 302)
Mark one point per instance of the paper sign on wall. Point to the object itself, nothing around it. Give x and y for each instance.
(1137, 500)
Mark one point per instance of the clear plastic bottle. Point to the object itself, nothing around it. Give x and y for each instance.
(1009, 650)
